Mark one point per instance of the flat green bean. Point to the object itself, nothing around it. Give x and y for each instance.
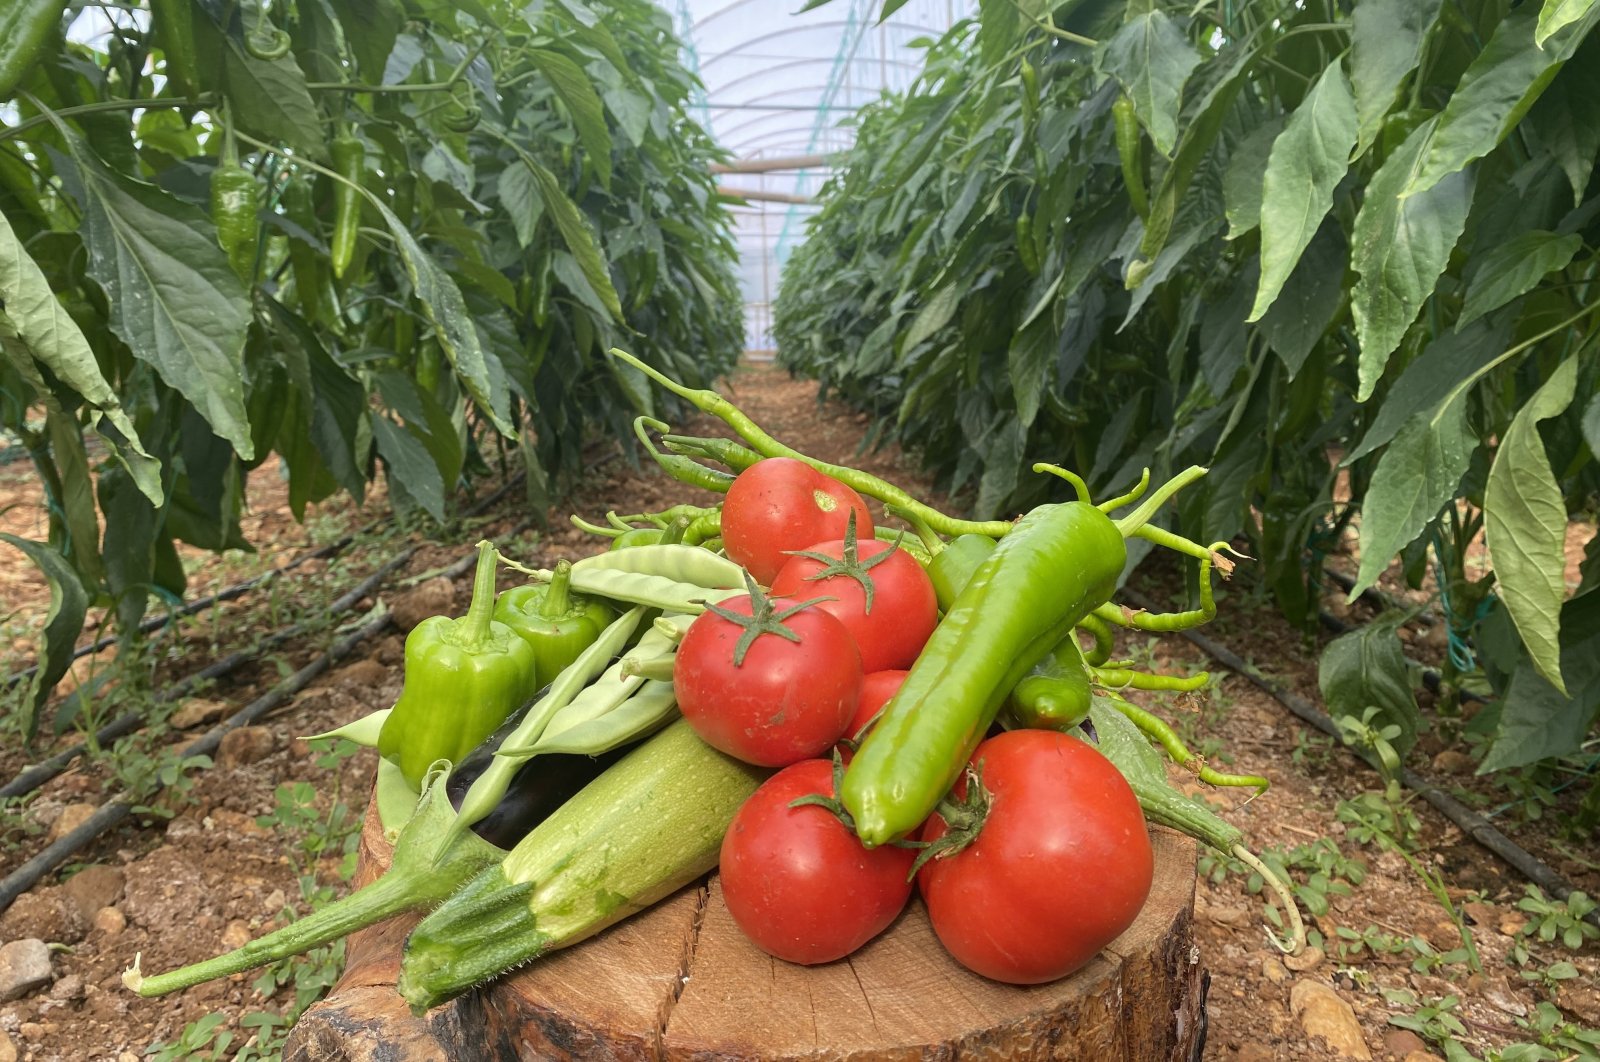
(640, 715)
(680, 563)
(657, 591)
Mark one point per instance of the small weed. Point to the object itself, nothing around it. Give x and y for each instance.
(1371, 817)
(1549, 978)
(1552, 920)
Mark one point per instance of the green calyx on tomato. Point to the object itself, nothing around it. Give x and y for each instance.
(763, 618)
(849, 563)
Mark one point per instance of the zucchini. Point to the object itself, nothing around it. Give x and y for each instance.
(642, 830)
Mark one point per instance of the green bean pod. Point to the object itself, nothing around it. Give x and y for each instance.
(680, 563)
(654, 705)
(1058, 563)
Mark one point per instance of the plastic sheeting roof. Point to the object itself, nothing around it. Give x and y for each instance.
(782, 85)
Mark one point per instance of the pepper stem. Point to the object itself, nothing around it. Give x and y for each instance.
(475, 625)
(1141, 516)
(557, 601)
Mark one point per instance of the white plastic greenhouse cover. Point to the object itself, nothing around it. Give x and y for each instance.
(781, 85)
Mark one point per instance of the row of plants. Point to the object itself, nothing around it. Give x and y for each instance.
(346, 237)
(1343, 254)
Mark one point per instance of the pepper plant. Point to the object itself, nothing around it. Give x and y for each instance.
(451, 209)
(1342, 252)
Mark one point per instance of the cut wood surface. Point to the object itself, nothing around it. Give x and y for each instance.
(681, 982)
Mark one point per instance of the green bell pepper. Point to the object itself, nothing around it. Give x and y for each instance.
(552, 621)
(463, 678)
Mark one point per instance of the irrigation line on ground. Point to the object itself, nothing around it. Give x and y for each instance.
(1471, 823)
(33, 777)
(114, 812)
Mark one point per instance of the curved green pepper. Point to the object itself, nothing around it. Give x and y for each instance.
(1058, 564)
(553, 621)
(953, 566)
(349, 161)
(300, 208)
(1055, 695)
(233, 206)
(463, 678)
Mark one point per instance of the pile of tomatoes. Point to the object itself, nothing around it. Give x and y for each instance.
(1060, 863)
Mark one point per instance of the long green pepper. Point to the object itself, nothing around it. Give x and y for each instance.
(463, 678)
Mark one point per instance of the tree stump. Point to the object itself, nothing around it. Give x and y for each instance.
(680, 982)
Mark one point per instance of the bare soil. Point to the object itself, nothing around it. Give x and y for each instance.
(196, 878)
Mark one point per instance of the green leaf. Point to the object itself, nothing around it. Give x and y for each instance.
(1241, 184)
(63, 624)
(1566, 120)
(1514, 268)
(1366, 668)
(1415, 477)
(1308, 160)
(370, 28)
(266, 97)
(411, 467)
(934, 315)
(519, 197)
(1525, 525)
(1031, 360)
(1399, 248)
(36, 330)
(1309, 300)
(1536, 721)
(447, 310)
(575, 232)
(588, 113)
(173, 297)
(1591, 425)
(1151, 58)
(1386, 38)
(1556, 15)
(1443, 363)
(1492, 96)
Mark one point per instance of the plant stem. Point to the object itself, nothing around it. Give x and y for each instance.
(100, 108)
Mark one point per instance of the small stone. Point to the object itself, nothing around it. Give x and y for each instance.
(1226, 915)
(1500, 996)
(46, 914)
(1421, 1056)
(1511, 925)
(8, 1050)
(109, 922)
(237, 823)
(246, 745)
(362, 673)
(436, 597)
(236, 934)
(68, 990)
(1481, 914)
(72, 816)
(1274, 970)
(127, 1056)
(1307, 959)
(1453, 761)
(1323, 1013)
(197, 710)
(24, 966)
(31, 1031)
(275, 902)
(1254, 1053)
(391, 651)
(1401, 1042)
(1579, 1001)
(93, 888)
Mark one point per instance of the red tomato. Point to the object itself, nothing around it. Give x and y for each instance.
(904, 607)
(876, 689)
(797, 882)
(785, 700)
(1059, 869)
(780, 504)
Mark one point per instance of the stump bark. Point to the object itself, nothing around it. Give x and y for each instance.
(680, 982)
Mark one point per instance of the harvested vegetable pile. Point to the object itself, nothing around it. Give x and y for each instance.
(835, 711)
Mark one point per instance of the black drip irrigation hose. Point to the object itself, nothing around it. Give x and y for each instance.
(114, 812)
(1471, 823)
(40, 773)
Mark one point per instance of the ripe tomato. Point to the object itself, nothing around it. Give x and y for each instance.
(1060, 867)
(876, 689)
(797, 882)
(904, 608)
(780, 504)
(782, 700)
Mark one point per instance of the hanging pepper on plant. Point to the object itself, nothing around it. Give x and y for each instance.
(555, 623)
(1130, 151)
(266, 41)
(463, 677)
(233, 205)
(299, 208)
(349, 161)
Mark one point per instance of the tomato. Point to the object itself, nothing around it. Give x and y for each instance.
(783, 700)
(904, 608)
(876, 689)
(779, 504)
(1060, 867)
(797, 882)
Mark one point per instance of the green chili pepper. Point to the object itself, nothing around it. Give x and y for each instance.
(233, 206)
(349, 162)
(1130, 151)
(683, 469)
(1030, 92)
(952, 567)
(173, 23)
(24, 26)
(723, 451)
(1055, 695)
(463, 678)
(639, 536)
(267, 42)
(1058, 564)
(299, 208)
(1027, 252)
(554, 622)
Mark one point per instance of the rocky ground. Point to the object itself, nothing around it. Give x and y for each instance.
(237, 848)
